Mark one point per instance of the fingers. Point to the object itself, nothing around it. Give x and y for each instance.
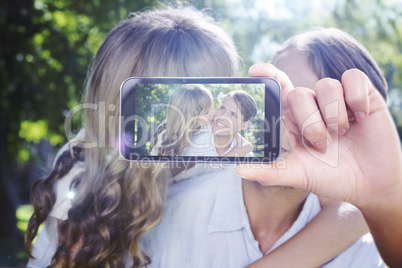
(308, 118)
(329, 94)
(269, 70)
(328, 109)
(356, 87)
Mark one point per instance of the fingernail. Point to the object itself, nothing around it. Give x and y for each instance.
(322, 144)
(342, 131)
(257, 65)
(360, 116)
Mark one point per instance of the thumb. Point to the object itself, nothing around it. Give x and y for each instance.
(284, 172)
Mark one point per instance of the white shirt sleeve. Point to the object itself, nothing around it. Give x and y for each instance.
(45, 245)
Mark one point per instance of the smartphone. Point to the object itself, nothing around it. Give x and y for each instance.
(231, 120)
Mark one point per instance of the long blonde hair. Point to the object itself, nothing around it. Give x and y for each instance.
(117, 202)
(185, 104)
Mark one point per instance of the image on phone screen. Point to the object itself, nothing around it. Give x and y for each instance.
(200, 119)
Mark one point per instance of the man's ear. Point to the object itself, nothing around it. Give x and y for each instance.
(245, 125)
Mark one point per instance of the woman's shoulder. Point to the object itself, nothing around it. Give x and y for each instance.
(65, 193)
(62, 187)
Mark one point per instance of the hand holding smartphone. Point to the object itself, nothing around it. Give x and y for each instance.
(232, 120)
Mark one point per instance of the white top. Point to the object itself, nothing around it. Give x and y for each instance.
(205, 224)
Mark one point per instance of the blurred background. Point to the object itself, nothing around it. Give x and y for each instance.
(46, 49)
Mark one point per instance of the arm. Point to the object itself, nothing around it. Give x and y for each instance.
(243, 147)
(384, 218)
(335, 228)
(368, 170)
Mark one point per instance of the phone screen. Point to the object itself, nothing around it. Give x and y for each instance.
(233, 120)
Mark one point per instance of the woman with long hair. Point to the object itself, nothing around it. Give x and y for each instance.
(111, 197)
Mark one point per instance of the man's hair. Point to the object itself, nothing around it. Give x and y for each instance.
(245, 102)
(331, 52)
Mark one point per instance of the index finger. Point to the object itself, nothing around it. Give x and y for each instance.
(269, 70)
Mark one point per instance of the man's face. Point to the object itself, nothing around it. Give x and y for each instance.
(228, 119)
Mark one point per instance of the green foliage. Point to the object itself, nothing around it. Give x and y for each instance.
(33, 131)
(45, 52)
(23, 213)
